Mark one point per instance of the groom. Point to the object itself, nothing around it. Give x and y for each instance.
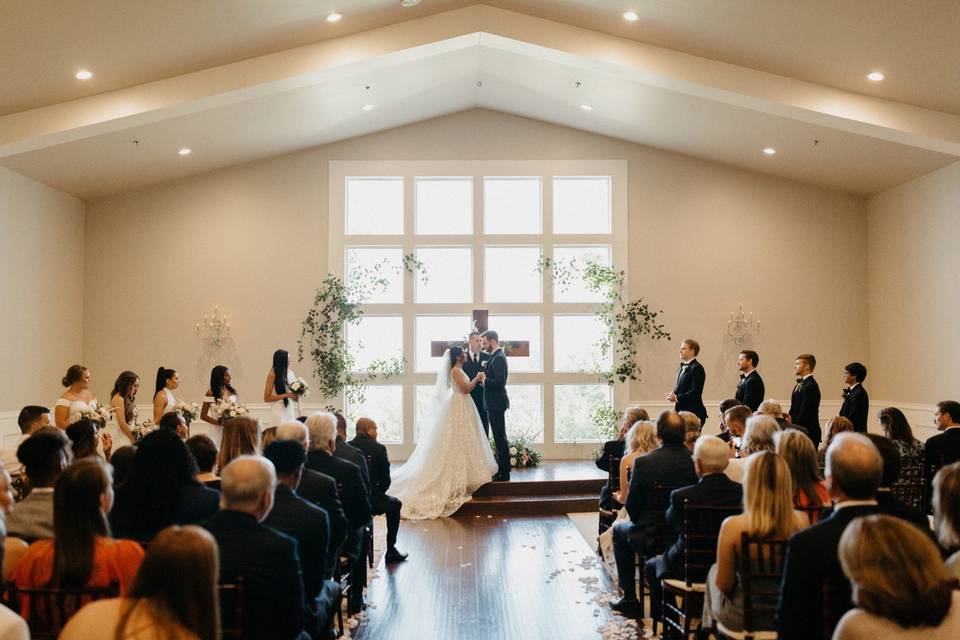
(496, 401)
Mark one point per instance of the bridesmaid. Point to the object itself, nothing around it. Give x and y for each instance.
(77, 397)
(123, 402)
(163, 400)
(220, 389)
(277, 390)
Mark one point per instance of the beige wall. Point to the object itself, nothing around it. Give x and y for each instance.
(914, 275)
(252, 239)
(41, 289)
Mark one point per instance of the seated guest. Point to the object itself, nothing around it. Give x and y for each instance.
(319, 489)
(121, 461)
(82, 553)
(162, 489)
(11, 548)
(896, 427)
(835, 426)
(44, 457)
(856, 402)
(31, 418)
(269, 435)
(669, 465)
(946, 514)
(173, 596)
(757, 437)
(380, 502)
(309, 525)
(809, 489)
(725, 406)
(710, 457)
(172, 421)
(692, 425)
(768, 514)
(204, 452)
(85, 440)
(351, 454)
(901, 589)
(615, 448)
(353, 496)
(267, 560)
(854, 471)
(888, 503)
(773, 409)
(641, 439)
(736, 420)
(241, 437)
(943, 448)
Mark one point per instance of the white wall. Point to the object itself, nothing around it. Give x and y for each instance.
(41, 293)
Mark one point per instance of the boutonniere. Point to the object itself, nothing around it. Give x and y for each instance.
(483, 364)
(846, 392)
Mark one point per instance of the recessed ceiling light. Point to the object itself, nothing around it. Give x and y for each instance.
(334, 17)
(586, 107)
(83, 74)
(630, 16)
(875, 76)
(769, 151)
(368, 107)
(185, 151)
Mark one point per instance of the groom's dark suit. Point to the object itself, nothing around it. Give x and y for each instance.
(496, 402)
(472, 367)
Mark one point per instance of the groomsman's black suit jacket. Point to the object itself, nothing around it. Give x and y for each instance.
(805, 408)
(472, 368)
(856, 407)
(689, 390)
(750, 391)
(379, 470)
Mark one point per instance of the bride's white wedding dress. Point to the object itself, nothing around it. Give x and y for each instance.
(451, 460)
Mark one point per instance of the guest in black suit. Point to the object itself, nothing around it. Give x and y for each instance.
(943, 448)
(309, 525)
(725, 406)
(381, 503)
(856, 402)
(669, 465)
(854, 471)
(267, 560)
(473, 365)
(351, 454)
(615, 448)
(805, 401)
(319, 489)
(496, 401)
(710, 458)
(687, 394)
(750, 391)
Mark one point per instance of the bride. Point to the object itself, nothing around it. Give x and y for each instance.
(453, 458)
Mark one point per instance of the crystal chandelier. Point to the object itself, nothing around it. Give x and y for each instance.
(214, 331)
(740, 327)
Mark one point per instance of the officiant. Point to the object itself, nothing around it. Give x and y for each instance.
(472, 366)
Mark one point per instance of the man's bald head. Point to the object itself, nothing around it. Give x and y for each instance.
(296, 431)
(247, 484)
(854, 467)
(670, 428)
(365, 426)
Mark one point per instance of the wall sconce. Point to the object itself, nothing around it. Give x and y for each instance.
(215, 330)
(740, 327)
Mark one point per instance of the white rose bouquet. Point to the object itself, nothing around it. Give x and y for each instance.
(227, 410)
(300, 387)
(189, 411)
(142, 429)
(97, 414)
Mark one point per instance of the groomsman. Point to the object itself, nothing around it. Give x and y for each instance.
(805, 402)
(687, 393)
(856, 402)
(750, 391)
(473, 365)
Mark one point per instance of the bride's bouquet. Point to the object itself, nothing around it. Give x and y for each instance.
(97, 414)
(225, 410)
(141, 429)
(300, 387)
(189, 411)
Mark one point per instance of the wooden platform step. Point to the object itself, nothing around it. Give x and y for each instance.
(541, 488)
(514, 505)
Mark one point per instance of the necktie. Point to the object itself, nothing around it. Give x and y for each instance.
(476, 358)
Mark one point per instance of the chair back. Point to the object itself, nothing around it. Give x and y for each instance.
(613, 475)
(664, 533)
(832, 594)
(761, 572)
(48, 609)
(701, 528)
(231, 609)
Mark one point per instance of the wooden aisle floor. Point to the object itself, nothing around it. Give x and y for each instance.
(499, 578)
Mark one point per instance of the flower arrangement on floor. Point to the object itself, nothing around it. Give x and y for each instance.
(189, 411)
(300, 387)
(97, 414)
(225, 410)
(522, 453)
(142, 429)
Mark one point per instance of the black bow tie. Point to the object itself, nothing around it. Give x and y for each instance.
(799, 380)
(743, 376)
(684, 364)
(847, 392)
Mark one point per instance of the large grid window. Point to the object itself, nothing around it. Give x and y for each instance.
(482, 230)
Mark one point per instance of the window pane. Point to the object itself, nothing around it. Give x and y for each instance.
(374, 206)
(366, 263)
(450, 271)
(512, 206)
(430, 328)
(581, 205)
(511, 274)
(574, 405)
(375, 338)
(384, 404)
(575, 340)
(444, 206)
(525, 417)
(576, 258)
(521, 328)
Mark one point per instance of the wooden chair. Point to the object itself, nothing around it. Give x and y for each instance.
(664, 535)
(830, 592)
(49, 609)
(701, 528)
(368, 532)
(231, 609)
(341, 574)
(761, 571)
(608, 516)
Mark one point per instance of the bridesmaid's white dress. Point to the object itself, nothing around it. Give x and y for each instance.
(76, 407)
(279, 413)
(171, 401)
(215, 431)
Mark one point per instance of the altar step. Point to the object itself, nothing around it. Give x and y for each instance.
(534, 497)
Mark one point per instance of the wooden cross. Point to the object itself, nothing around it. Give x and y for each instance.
(512, 348)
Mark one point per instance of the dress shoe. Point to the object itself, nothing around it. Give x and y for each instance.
(393, 556)
(628, 607)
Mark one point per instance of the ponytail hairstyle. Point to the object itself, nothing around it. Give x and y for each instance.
(281, 361)
(124, 388)
(217, 383)
(455, 353)
(74, 374)
(163, 375)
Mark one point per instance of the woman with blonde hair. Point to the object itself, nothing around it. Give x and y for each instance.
(767, 514)
(615, 449)
(946, 513)
(757, 437)
(641, 439)
(241, 437)
(174, 595)
(809, 489)
(835, 425)
(900, 586)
